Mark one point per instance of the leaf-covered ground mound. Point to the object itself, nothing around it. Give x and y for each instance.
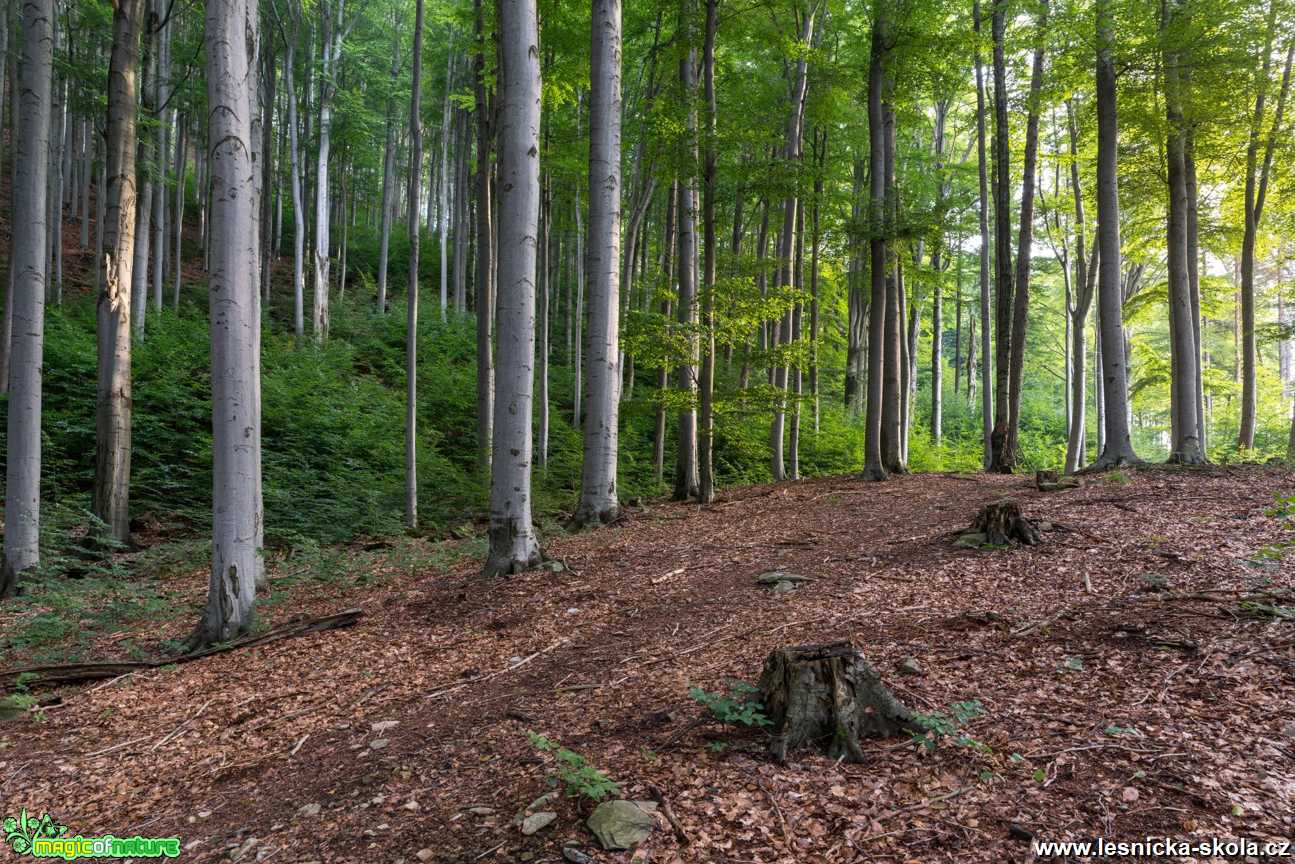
(1133, 674)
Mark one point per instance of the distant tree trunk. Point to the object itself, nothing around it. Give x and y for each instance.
(687, 482)
(1185, 447)
(598, 500)
(1256, 188)
(856, 338)
(1085, 282)
(1003, 285)
(894, 367)
(28, 265)
(331, 47)
(460, 298)
(111, 500)
(513, 544)
(237, 526)
(1009, 454)
(388, 199)
(485, 261)
(877, 232)
(937, 291)
(411, 302)
(668, 239)
(162, 89)
(986, 350)
(296, 169)
(820, 163)
(1117, 447)
(181, 157)
(542, 361)
(144, 194)
(1194, 283)
(787, 241)
(706, 385)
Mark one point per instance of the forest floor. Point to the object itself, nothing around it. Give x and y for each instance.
(1137, 704)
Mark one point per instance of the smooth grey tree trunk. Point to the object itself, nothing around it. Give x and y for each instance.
(485, 265)
(411, 302)
(27, 262)
(111, 500)
(237, 517)
(162, 96)
(296, 169)
(986, 349)
(1085, 283)
(706, 383)
(514, 546)
(334, 33)
(598, 500)
(177, 256)
(1117, 447)
(388, 203)
(442, 211)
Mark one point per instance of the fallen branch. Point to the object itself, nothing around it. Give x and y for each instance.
(71, 673)
(659, 797)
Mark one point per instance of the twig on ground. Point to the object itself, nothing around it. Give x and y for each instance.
(659, 797)
(782, 820)
(445, 691)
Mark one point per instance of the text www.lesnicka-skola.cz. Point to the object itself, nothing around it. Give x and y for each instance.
(1165, 847)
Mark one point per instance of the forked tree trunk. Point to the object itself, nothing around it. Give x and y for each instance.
(829, 696)
(513, 544)
(598, 499)
(237, 526)
(113, 405)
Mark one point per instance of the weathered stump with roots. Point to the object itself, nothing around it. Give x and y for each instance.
(828, 695)
(1002, 523)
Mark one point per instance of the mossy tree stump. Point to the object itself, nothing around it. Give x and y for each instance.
(828, 695)
(1002, 523)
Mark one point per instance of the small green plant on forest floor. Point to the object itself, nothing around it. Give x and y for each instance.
(574, 771)
(1117, 478)
(948, 724)
(738, 708)
(1283, 509)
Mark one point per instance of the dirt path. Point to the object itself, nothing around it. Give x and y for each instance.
(1115, 713)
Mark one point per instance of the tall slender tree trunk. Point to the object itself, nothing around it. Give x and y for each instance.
(331, 45)
(388, 200)
(1256, 188)
(1085, 283)
(706, 383)
(443, 208)
(514, 546)
(598, 500)
(542, 302)
(28, 265)
(1185, 446)
(986, 349)
(1003, 284)
(687, 481)
(668, 239)
(874, 469)
(181, 158)
(411, 304)
(111, 500)
(296, 169)
(1117, 447)
(237, 521)
(485, 260)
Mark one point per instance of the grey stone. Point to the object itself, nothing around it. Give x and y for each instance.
(776, 577)
(311, 809)
(910, 666)
(622, 824)
(536, 821)
(970, 541)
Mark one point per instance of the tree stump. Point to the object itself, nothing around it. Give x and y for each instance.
(1002, 523)
(828, 695)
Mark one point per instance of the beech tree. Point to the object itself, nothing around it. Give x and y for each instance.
(514, 546)
(598, 500)
(231, 30)
(112, 417)
(28, 266)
